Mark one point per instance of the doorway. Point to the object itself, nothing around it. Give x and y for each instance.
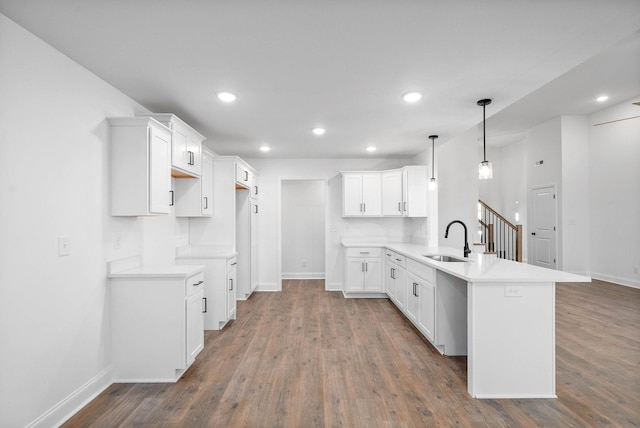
(543, 242)
(302, 228)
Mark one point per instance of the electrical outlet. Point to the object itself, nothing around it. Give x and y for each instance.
(304, 263)
(636, 270)
(512, 291)
(64, 246)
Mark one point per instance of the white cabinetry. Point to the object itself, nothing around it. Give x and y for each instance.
(364, 270)
(244, 175)
(395, 278)
(194, 196)
(219, 289)
(424, 297)
(361, 194)
(140, 168)
(404, 192)
(156, 325)
(186, 146)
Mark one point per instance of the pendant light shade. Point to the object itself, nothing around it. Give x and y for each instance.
(486, 169)
(433, 184)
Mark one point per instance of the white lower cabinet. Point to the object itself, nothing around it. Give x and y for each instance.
(427, 309)
(219, 289)
(364, 270)
(412, 290)
(156, 326)
(395, 278)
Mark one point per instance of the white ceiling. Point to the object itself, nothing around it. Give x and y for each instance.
(344, 64)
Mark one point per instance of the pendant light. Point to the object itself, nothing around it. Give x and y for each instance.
(433, 185)
(486, 169)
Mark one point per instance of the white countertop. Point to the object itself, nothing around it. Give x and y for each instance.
(131, 267)
(204, 252)
(479, 268)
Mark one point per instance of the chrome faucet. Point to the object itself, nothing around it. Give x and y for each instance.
(466, 243)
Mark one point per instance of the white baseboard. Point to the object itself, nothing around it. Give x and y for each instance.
(303, 275)
(269, 286)
(68, 407)
(333, 286)
(616, 279)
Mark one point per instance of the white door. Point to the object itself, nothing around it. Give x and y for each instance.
(543, 234)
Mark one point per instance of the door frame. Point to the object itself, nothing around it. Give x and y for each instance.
(530, 220)
(325, 181)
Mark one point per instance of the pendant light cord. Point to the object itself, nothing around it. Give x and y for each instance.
(433, 155)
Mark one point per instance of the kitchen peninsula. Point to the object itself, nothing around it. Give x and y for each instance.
(499, 313)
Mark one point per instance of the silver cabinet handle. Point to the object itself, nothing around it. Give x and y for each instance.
(362, 266)
(399, 209)
(246, 176)
(404, 206)
(256, 210)
(205, 305)
(231, 282)
(234, 263)
(171, 193)
(206, 202)
(364, 252)
(197, 283)
(366, 267)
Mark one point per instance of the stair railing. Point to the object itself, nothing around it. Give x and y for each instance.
(499, 235)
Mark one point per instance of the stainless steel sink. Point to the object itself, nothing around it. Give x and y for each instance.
(443, 258)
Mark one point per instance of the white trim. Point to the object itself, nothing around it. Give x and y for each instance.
(361, 295)
(333, 286)
(512, 396)
(616, 279)
(279, 223)
(75, 401)
(270, 286)
(302, 275)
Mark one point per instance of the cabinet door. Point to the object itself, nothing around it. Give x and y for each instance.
(392, 193)
(415, 191)
(231, 290)
(194, 154)
(401, 297)
(159, 172)
(373, 275)
(179, 149)
(411, 289)
(243, 175)
(253, 259)
(355, 274)
(371, 194)
(351, 194)
(206, 182)
(389, 282)
(427, 313)
(195, 325)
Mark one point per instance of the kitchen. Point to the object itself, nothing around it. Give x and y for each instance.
(55, 171)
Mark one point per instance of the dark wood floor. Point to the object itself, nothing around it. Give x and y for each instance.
(310, 358)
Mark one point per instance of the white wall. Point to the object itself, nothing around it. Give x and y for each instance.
(458, 162)
(272, 171)
(575, 220)
(54, 163)
(303, 229)
(614, 178)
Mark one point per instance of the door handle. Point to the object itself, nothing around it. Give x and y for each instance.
(206, 202)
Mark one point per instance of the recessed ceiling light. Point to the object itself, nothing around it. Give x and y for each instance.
(318, 131)
(412, 97)
(602, 98)
(226, 97)
(265, 148)
(371, 149)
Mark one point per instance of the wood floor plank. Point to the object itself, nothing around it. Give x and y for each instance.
(306, 357)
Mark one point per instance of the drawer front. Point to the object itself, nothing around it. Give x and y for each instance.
(194, 284)
(390, 256)
(423, 271)
(400, 260)
(232, 264)
(364, 252)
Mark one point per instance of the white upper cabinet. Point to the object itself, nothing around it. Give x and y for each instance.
(414, 191)
(393, 193)
(361, 194)
(244, 175)
(392, 199)
(194, 196)
(186, 146)
(140, 167)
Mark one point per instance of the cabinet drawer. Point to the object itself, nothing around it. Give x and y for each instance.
(232, 264)
(193, 284)
(364, 252)
(398, 259)
(423, 271)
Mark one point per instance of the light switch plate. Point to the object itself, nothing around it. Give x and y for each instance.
(64, 246)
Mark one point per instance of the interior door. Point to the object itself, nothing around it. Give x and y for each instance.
(543, 238)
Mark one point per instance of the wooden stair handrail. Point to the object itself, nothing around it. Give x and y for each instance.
(511, 225)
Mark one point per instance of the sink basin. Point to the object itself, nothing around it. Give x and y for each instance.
(443, 258)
